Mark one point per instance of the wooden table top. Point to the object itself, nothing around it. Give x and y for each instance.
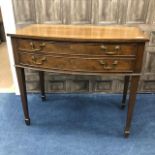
(82, 32)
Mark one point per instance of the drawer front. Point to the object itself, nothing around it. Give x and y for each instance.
(76, 64)
(104, 49)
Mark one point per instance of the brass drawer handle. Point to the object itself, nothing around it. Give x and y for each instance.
(108, 67)
(117, 47)
(33, 49)
(110, 52)
(103, 47)
(38, 61)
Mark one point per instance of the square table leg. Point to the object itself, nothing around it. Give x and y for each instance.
(42, 85)
(125, 91)
(23, 94)
(131, 103)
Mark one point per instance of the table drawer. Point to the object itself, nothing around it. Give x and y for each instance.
(83, 64)
(113, 49)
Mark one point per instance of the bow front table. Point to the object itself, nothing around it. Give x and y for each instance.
(80, 50)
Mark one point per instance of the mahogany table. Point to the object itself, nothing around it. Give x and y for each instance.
(80, 50)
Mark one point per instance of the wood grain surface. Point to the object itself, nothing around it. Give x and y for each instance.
(87, 33)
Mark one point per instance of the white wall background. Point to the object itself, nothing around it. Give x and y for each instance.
(9, 25)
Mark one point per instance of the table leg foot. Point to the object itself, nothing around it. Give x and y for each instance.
(42, 85)
(126, 133)
(43, 98)
(27, 122)
(123, 105)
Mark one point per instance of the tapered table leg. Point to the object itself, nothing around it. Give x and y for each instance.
(42, 85)
(23, 94)
(125, 90)
(131, 103)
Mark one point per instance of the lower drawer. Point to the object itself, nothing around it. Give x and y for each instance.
(76, 64)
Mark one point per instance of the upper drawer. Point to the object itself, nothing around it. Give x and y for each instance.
(106, 49)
